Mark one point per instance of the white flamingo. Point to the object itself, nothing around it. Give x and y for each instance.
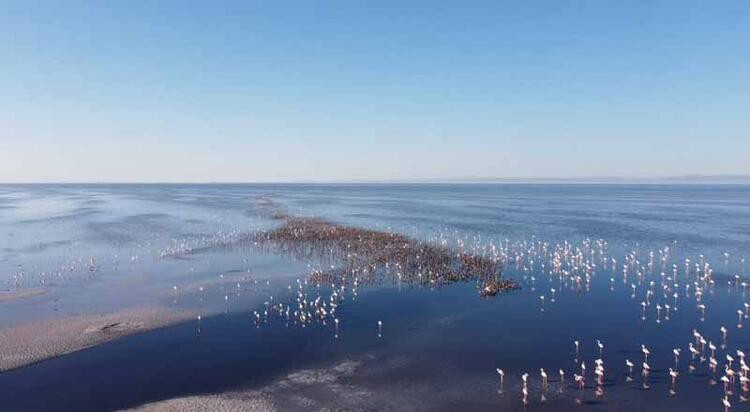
(673, 373)
(693, 350)
(725, 379)
(645, 351)
(580, 380)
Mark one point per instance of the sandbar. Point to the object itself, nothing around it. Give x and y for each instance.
(39, 340)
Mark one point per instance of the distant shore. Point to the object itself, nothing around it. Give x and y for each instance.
(677, 179)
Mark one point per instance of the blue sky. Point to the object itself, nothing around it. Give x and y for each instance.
(279, 91)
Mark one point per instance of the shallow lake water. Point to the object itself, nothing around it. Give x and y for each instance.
(98, 248)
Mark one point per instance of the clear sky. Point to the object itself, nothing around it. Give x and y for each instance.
(320, 90)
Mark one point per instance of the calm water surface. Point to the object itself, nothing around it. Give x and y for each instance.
(97, 248)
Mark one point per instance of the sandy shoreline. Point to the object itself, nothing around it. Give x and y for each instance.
(289, 392)
(221, 402)
(32, 342)
(6, 297)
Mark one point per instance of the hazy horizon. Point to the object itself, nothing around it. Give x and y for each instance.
(684, 179)
(283, 91)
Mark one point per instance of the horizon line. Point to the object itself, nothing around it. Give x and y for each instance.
(678, 179)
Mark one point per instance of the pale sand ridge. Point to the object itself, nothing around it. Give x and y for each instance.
(33, 342)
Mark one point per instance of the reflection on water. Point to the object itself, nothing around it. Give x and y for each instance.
(597, 263)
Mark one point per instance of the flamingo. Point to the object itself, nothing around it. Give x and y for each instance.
(599, 371)
(544, 376)
(725, 379)
(502, 375)
(730, 373)
(696, 336)
(630, 365)
(712, 364)
(645, 351)
(580, 380)
(673, 373)
(726, 403)
(695, 352)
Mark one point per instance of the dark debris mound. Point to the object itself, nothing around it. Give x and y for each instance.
(493, 287)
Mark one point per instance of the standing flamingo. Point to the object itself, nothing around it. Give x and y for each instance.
(673, 373)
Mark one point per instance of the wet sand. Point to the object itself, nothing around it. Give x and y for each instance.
(39, 340)
(294, 391)
(224, 403)
(6, 296)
